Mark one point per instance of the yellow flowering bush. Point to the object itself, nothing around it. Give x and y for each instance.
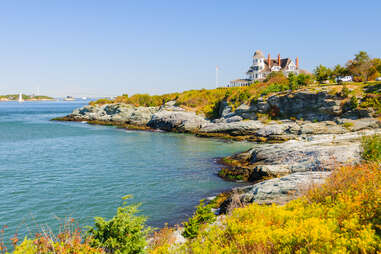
(342, 216)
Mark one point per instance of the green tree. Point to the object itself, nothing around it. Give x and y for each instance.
(292, 81)
(322, 73)
(339, 71)
(303, 79)
(360, 66)
(124, 233)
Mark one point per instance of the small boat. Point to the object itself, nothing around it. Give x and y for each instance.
(69, 98)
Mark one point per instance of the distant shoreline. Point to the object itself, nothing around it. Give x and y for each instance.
(6, 100)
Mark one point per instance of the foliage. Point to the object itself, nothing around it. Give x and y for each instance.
(292, 81)
(25, 97)
(303, 79)
(202, 216)
(344, 92)
(276, 77)
(360, 66)
(339, 71)
(322, 73)
(353, 102)
(124, 233)
(372, 101)
(101, 102)
(348, 125)
(162, 240)
(68, 241)
(371, 148)
(341, 216)
(274, 88)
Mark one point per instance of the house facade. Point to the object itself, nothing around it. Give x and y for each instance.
(262, 67)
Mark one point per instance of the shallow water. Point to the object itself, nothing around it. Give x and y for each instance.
(52, 170)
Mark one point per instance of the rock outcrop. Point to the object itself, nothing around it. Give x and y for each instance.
(278, 190)
(309, 153)
(114, 113)
(305, 104)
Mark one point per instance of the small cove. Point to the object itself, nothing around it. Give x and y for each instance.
(52, 170)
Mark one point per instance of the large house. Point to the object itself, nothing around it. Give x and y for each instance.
(262, 67)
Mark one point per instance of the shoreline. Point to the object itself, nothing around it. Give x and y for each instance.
(287, 153)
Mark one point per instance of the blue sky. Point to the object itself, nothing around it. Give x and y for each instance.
(104, 48)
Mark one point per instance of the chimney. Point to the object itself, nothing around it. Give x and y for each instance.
(297, 62)
(269, 60)
(279, 59)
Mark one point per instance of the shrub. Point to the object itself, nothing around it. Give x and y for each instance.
(68, 241)
(162, 240)
(371, 148)
(344, 92)
(100, 102)
(372, 101)
(124, 233)
(348, 125)
(203, 215)
(353, 102)
(341, 216)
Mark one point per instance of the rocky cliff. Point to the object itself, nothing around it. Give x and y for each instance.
(313, 132)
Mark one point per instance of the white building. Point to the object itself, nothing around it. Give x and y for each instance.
(262, 67)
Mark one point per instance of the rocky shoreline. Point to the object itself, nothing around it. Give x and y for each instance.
(314, 131)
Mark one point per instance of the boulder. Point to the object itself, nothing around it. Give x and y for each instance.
(178, 121)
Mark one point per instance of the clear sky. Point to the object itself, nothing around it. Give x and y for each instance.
(104, 48)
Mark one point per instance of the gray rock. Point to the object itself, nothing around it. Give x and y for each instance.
(224, 109)
(236, 128)
(283, 189)
(234, 119)
(326, 127)
(179, 121)
(115, 112)
(316, 153)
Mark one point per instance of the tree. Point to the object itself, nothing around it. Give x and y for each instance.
(375, 70)
(322, 73)
(303, 79)
(339, 71)
(292, 81)
(360, 66)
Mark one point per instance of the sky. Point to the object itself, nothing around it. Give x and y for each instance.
(106, 48)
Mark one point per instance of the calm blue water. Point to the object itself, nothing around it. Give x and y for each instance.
(52, 170)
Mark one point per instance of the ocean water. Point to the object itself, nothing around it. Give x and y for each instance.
(51, 170)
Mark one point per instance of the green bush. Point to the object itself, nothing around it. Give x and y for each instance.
(345, 92)
(371, 148)
(353, 103)
(203, 215)
(124, 233)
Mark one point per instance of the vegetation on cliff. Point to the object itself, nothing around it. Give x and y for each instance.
(208, 101)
